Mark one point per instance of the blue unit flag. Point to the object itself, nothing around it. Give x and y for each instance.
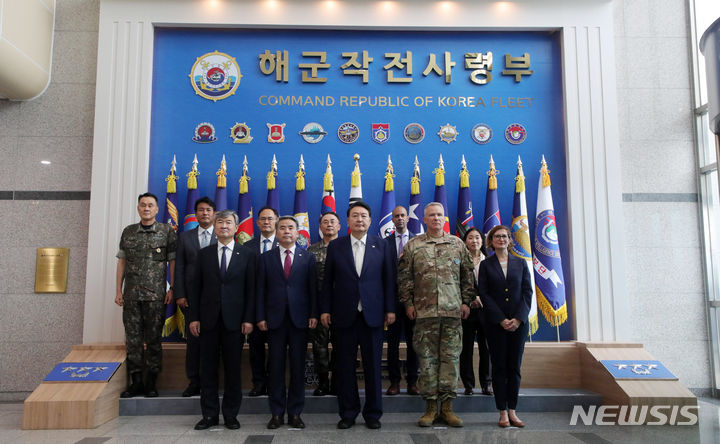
(491, 217)
(415, 209)
(388, 203)
(82, 372)
(464, 210)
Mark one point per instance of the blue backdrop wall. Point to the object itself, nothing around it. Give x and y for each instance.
(535, 102)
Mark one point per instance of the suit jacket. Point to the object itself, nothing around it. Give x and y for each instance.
(505, 298)
(233, 295)
(296, 295)
(343, 288)
(254, 245)
(392, 243)
(188, 247)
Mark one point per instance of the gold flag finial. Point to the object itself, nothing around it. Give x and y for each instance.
(222, 174)
(244, 178)
(192, 175)
(492, 173)
(415, 181)
(272, 174)
(300, 175)
(545, 173)
(328, 184)
(389, 182)
(172, 178)
(440, 173)
(355, 176)
(519, 178)
(464, 174)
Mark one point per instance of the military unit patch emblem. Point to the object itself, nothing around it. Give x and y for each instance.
(215, 76)
(448, 133)
(276, 132)
(380, 132)
(240, 133)
(348, 132)
(481, 133)
(515, 133)
(313, 132)
(204, 133)
(414, 133)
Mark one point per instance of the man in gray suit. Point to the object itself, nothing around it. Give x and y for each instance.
(189, 244)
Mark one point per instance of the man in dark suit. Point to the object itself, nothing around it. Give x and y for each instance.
(286, 308)
(222, 310)
(358, 297)
(189, 244)
(266, 222)
(396, 242)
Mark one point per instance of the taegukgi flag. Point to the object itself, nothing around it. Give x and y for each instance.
(245, 229)
(547, 263)
(415, 209)
(300, 211)
(520, 232)
(388, 203)
(464, 209)
(355, 182)
(441, 193)
(328, 198)
(190, 221)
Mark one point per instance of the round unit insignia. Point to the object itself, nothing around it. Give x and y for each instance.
(215, 76)
(348, 132)
(481, 133)
(515, 133)
(448, 133)
(414, 133)
(380, 132)
(204, 133)
(240, 133)
(313, 132)
(276, 132)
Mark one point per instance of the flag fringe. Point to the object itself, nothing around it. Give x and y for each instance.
(533, 324)
(464, 178)
(300, 180)
(519, 184)
(553, 316)
(271, 180)
(244, 184)
(169, 326)
(192, 180)
(415, 186)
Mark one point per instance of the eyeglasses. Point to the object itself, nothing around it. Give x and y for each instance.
(500, 236)
(266, 219)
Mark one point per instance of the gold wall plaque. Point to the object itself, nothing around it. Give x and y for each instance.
(51, 270)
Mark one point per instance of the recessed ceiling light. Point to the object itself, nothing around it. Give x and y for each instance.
(45, 162)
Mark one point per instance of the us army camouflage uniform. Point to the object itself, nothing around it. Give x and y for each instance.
(435, 276)
(146, 253)
(320, 336)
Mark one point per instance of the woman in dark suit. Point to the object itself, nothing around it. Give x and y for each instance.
(472, 326)
(506, 294)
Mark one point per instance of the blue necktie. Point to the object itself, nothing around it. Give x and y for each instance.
(265, 245)
(223, 263)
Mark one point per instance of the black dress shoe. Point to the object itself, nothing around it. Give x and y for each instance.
(296, 422)
(393, 390)
(345, 423)
(487, 391)
(193, 389)
(469, 391)
(275, 422)
(372, 423)
(232, 423)
(206, 423)
(413, 389)
(259, 390)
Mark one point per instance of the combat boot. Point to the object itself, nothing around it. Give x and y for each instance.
(447, 414)
(135, 388)
(150, 390)
(431, 413)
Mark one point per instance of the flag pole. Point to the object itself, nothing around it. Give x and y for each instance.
(557, 328)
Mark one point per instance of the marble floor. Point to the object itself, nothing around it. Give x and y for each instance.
(397, 428)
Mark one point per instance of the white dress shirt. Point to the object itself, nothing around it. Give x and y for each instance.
(228, 253)
(201, 232)
(358, 248)
(269, 245)
(282, 255)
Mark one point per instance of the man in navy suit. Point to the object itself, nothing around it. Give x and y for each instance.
(396, 242)
(286, 308)
(189, 244)
(266, 222)
(358, 297)
(222, 311)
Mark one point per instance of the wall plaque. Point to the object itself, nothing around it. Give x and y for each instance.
(51, 270)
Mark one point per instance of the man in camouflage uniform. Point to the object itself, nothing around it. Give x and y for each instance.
(435, 282)
(145, 250)
(320, 336)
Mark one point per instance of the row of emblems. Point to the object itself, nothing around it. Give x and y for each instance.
(215, 76)
(349, 132)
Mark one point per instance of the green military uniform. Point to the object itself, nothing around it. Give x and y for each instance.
(146, 252)
(435, 275)
(320, 336)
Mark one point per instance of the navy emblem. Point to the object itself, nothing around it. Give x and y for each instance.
(448, 133)
(240, 133)
(313, 132)
(276, 132)
(380, 132)
(215, 76)
(414, 133)
(481, 133)
(348, 132)
(204, 133)
(515, 133)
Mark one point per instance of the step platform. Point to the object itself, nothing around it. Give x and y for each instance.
(531, 400)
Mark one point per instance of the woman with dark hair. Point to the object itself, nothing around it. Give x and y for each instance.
(472, 326)
(506, 294)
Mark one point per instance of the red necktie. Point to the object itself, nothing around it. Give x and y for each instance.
(288, 264)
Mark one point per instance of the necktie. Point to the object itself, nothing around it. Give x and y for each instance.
(402, 243)
(265, 245)
(205, 239)
(288, 264)
(223, 262)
